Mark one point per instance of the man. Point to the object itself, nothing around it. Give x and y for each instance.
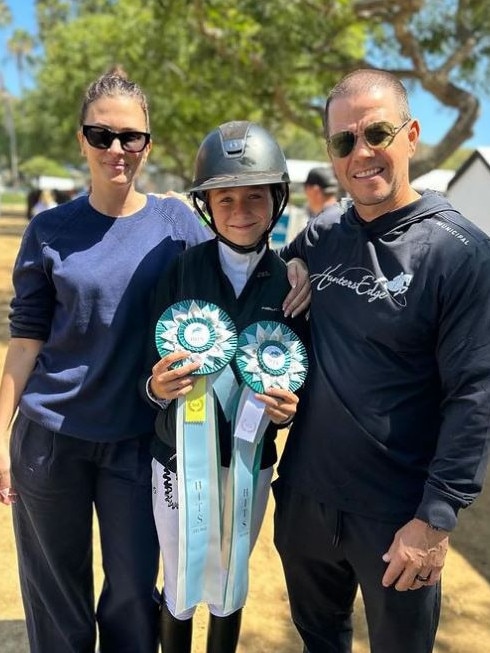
(321, 190)
(391, 436)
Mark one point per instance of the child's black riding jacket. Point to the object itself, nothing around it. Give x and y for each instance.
(197, 274)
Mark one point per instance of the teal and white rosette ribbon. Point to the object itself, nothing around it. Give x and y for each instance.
(269, 354)
(209, 336)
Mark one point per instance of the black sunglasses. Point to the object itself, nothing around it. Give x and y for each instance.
(378, 135)
(102, 138)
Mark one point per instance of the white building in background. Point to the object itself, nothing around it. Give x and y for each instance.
(469, 189)
(437, 179)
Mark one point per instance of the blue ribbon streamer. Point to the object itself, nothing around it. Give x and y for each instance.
(239, 499)
(199, 572)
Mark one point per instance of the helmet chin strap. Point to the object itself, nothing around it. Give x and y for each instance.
(279, 206)
(245, 249)
(241, 249)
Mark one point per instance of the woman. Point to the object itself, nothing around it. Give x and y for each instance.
(83, 278)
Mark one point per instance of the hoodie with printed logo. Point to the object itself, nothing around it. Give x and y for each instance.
(395, 415)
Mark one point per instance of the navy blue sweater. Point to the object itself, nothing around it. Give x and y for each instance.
(82, 283)
(394, 418)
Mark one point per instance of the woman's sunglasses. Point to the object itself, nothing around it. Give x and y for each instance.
(378, 135)
(102, 138)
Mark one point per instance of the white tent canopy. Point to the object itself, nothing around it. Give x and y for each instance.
(55, 183)
(298, 169)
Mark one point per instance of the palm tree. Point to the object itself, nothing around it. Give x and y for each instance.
(5, 15)
(20, 45)
(6, 19)
(8, 118)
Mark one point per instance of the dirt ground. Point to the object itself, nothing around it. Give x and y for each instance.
(465, 622)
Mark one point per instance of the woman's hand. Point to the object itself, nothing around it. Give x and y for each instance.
(280, 405)
(299, 297)
(7, 493)
(172, 383)
(19, 362)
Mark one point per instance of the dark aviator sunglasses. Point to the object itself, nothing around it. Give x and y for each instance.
(378, 135)
(102, 138)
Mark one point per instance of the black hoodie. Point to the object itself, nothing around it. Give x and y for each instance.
(394, 418)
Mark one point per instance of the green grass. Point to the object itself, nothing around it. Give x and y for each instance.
(13, 197)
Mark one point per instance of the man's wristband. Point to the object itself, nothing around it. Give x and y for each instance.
(161, 403)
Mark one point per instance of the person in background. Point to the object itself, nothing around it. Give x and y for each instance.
(46, 201)
(321, 190)
(241, 192)
(62, 196)
(83, 279)
(32, 198)
(391, 436)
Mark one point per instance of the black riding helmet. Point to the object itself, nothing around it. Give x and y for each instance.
(240, 153)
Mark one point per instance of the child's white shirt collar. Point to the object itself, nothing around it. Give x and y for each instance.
(238, 266)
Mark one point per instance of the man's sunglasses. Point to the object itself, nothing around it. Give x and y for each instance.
(378, 135)
(102, 138)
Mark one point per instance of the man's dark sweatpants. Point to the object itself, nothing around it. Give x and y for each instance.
(326, 555)
(59, 479)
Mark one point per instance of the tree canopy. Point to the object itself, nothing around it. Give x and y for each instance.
(203, 62)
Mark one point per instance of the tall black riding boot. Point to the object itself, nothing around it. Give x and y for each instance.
(175, 634)
(223, 633)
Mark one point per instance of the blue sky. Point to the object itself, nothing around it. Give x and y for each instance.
(435, 118)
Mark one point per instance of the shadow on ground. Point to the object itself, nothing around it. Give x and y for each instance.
(12, 223)
(13, 637)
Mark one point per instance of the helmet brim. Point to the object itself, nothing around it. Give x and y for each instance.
(231, 181)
